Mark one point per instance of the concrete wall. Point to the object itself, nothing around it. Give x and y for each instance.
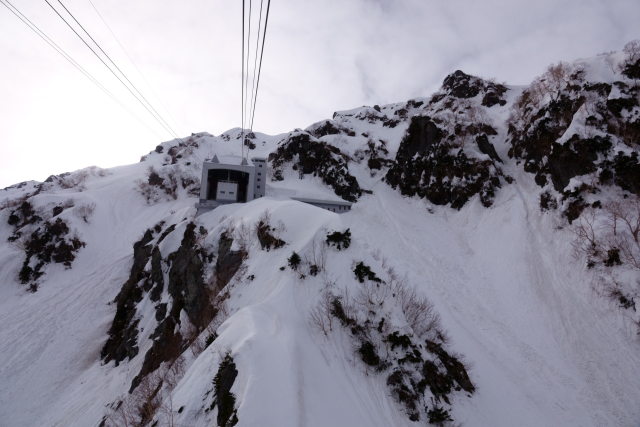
(337, 207)
(260, 182)
(207, 166)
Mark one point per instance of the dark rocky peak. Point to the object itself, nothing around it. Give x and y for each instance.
(568, 124)
(328, 127)
(431, 163)
(309, 156)
(461, 85)
(181, 148)
(423, 135)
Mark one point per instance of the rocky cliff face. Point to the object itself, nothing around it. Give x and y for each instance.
(569, 125)
(305, 154)
(446, 155)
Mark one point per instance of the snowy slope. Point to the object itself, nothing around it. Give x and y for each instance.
(542, 347)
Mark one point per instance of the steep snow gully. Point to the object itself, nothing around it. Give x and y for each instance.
(454, 296)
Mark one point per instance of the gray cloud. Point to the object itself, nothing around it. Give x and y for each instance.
(320, 57)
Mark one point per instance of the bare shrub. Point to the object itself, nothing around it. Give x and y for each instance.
(149, 192)
(84, 212)
(75, 180)
(609, 236)
(624, 230)
(316, 257)
(320, 316)
(632, 50)
(267, 234)
(158, 184)
(137, 408)
(417, 309)
(555, 79)
(243, 236)
(121, 414)
(372, 294)
(147, 398)
(586, 241)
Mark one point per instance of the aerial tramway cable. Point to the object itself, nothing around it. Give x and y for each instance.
(255, 60)
(149, 110)
(255, 99)
(125, 51)
(248, 112)
(33, 27)
(242, 87)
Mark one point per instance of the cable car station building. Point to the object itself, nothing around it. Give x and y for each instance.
(239, 180)
(235, 181)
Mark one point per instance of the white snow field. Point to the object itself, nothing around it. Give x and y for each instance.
(543, 348)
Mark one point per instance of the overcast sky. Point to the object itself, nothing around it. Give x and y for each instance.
(320, 56)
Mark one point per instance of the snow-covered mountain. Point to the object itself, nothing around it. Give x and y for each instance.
(487, 274)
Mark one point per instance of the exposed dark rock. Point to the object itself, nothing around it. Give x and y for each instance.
(535, 132)
(189, 293)
(310, 156)
(123, 334)
(573, 158)
(168, 344)
(376, 155)
(494, 97)
(184, 272)
(228, 261)
(328, 127)
(455, 368)
(368, 354)
(223, 398)
(267, 238)
(161, 311)
(23, 215)
(157, 278)
(340, 240)
(618, 105)
(461, 85)
(632, 70)
(547, 201)
(49, 242)
(399, 381)
(439, 383)
(186, 281)
(363, 272)
(613, 257)
(487, 148)
(574, 209)
(438, 416)
(603, 89)
(534, 141)
(627, 172)
(428, 166)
